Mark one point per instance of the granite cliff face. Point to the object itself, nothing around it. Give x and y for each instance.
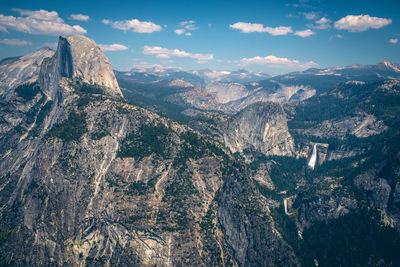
(80, 59)
(88, 179)
(20, 70)
(260, 127)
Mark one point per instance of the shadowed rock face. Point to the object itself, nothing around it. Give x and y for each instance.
(78, 58)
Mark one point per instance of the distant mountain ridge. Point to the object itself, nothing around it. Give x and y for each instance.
(231, 97)
(196, 77)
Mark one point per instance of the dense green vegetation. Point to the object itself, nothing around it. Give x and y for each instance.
(348, 100)
(103, 128)
(146, 140)
(86, 88)
(141, 188)
(356, 239)
(287, 227)
(286, 173)
(3, 238)
(181, 193)
(155, 98)
(28, 91)
(206, 222)
(195, 146)
(70, 129)
(43, 112)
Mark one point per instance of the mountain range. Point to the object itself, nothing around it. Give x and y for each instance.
(164, 167)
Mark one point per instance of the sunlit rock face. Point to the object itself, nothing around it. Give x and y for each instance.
(80, 59)
(260, 127)
(19, 70)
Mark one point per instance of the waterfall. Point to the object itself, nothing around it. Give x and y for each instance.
(313, 158)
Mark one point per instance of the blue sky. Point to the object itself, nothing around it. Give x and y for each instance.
(269, 36)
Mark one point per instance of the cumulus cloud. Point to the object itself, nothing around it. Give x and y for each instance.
(161, 52)
(393, 41)
(79, 17)
(323, 20)
(321, 24)
(14, 42)
(361, 23)
(305, 33)
(179, 31)
(38, 22)
(134, 24)
(246, 27)
(186, 27)
(112, 47)
(273, 61)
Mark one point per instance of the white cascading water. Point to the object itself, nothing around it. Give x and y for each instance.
(313, 158)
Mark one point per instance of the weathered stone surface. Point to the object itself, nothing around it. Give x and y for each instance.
(72, 197)
(377, 188)
(231, 98)
(78, 58)
(20, 70)
(260, 127)
(361, 126)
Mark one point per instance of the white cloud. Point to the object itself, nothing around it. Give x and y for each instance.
(179, 31)
(246, 27)
(339, 36)
(38, 22)
(393, 41)
(161, 52)
(79, 17)
(279, 62)
(39, 14)
(14, 42)
(305, 33)
(135, 25)
(189, 25)
(323, 20)
(321, 24)
(281, 30)
(186, 27)
(361, 23)
(113, 47)
(311, 15)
